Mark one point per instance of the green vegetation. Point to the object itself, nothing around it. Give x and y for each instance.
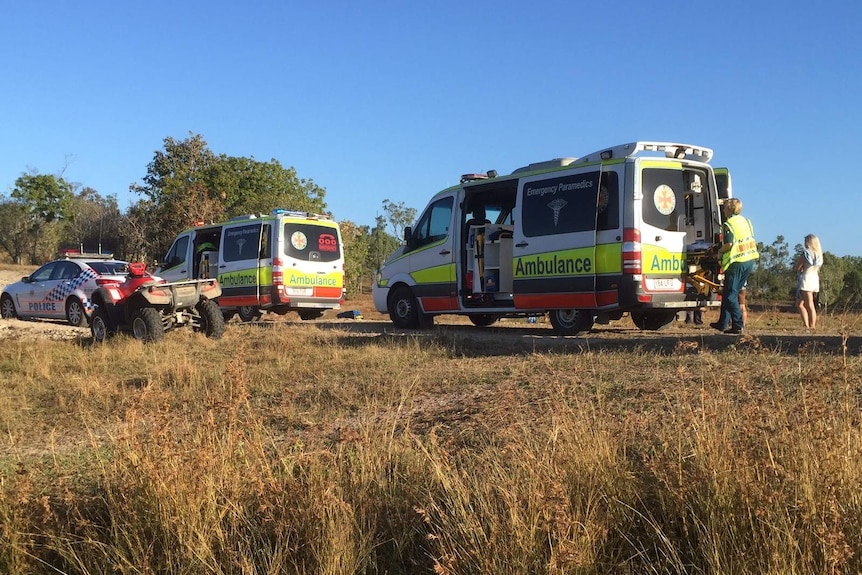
(333, 448)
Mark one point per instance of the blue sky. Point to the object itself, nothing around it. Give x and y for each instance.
(395, 100)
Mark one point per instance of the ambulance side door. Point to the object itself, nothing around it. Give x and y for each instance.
(238, 264)
(554, 255)
(432, 256)
(178, 263)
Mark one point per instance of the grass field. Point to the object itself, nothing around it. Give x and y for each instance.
(349, 447)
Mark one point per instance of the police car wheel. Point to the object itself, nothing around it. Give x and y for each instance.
(147, 325)
(7, 307)
(571, 321)
(403, 308)
(75, 312)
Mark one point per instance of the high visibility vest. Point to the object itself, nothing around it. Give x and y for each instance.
(744, 247)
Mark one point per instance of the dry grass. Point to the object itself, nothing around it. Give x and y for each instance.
(329, 448)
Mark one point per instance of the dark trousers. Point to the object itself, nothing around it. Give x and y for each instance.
(735, 277)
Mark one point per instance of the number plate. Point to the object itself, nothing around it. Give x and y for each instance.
(663, 284)
(300, 291)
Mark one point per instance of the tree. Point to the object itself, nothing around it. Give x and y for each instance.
(247, 186)
(15, 237)
(177, 191)
(46, 200)
(398, 216)
(381, 244)
(356, 247)
(93, 223)
(772, 278)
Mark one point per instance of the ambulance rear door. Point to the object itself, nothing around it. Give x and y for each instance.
(664, 187)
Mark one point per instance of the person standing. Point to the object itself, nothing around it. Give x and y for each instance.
(738, 252)
(808, 280)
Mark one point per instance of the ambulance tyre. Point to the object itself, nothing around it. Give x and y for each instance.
(482, 319)
(212, 321)
(308, 314)
(571, 321)
(7, 307)
(653, 321)
(75, 312)
(249, 313)
(147, 325)
(404, 309)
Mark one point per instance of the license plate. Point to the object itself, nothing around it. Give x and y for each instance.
(300, 291)
(663, 284)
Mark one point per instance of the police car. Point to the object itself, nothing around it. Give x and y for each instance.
(62, 288)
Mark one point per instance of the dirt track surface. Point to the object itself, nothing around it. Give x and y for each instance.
(678, 339)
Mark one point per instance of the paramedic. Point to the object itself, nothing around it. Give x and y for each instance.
(738, 253)
(808, 281)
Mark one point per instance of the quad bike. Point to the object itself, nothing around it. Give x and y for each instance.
(148, 306)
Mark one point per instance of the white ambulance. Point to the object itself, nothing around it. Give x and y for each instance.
(279, 262)
(623, 229)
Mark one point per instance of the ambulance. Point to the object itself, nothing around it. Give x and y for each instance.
(278, 262)
(626, 229)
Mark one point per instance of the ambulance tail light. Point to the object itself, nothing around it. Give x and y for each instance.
(278, 277)
(631, 251)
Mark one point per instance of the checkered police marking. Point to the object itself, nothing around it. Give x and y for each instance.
(62, 291)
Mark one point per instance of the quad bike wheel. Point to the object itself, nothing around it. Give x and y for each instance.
(212, 320)
(100, 326)
(147, 325)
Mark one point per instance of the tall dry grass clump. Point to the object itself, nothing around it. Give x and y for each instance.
(288, 448)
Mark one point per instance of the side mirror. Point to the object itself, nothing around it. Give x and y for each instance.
(408, 234)
(26, 279)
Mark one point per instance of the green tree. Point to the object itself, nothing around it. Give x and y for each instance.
(772, 278)
(46, 199)
(381, 244)
(15, 237)
(247, 186)
(356, 246)
(177, 191)
(399, 216)
(93, 223)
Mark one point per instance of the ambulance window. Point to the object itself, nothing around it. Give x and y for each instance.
(663, 197)
(177, 254)
(434, 224)
(240, 243)
(311, 242)
(608, 208)
(560, 205)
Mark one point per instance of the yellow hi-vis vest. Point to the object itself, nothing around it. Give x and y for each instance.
(744, 247)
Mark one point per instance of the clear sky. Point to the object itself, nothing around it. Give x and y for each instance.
(395, 100)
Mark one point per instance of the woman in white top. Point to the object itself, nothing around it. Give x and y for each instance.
(808, 281)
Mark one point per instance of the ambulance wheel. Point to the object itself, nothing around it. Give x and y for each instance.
(212, 321)
(100, 326)
(653, 321)
(482, 319)
(147, 325)
(7, 307)
(249, 313)
(404, 309)
(75, 312)
(308, 314)
(571, 321)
